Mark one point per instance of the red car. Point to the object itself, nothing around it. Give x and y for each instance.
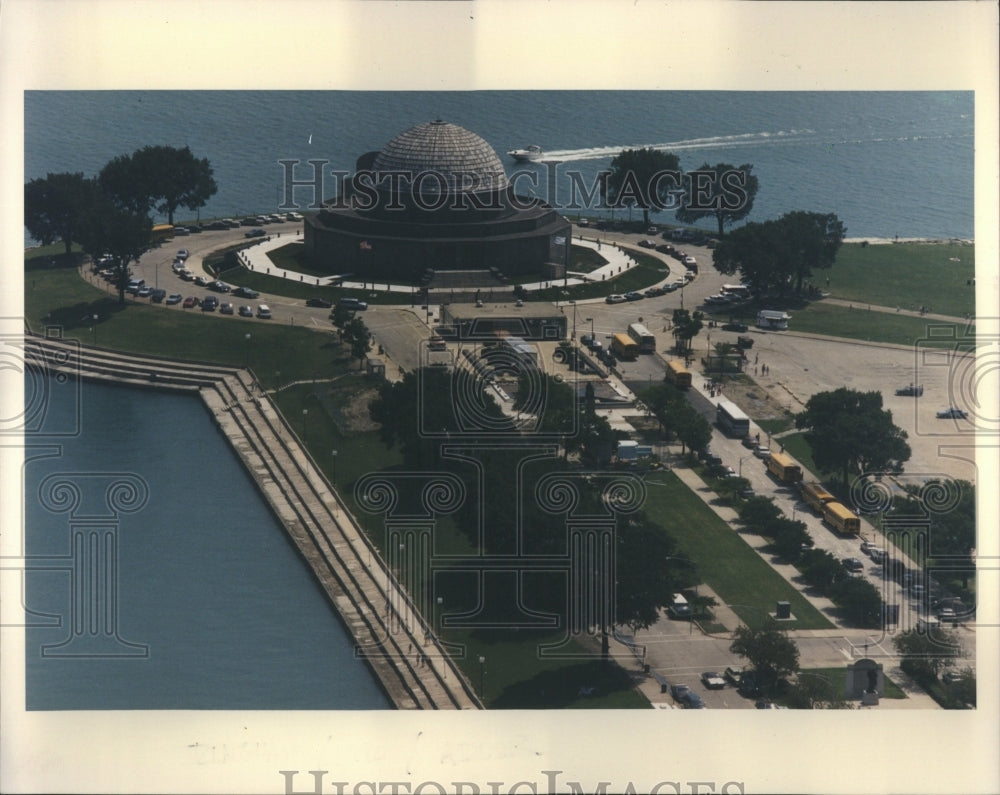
(190, 302)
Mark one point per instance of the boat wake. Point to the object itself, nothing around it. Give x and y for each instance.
(709, 143)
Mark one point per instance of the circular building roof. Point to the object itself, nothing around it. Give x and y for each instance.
(452, 159)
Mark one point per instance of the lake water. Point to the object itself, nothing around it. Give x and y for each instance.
(887, 163)
(210, 589)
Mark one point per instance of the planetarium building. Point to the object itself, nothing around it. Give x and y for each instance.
(435, 198)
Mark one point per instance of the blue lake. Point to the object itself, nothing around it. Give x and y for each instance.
(215, 609)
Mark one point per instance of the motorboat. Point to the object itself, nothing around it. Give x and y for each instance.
(526, 155)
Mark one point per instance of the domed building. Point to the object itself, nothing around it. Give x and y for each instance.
(435, 198)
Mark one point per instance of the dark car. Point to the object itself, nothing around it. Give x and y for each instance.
(853, 564)
(678, 691)
(209, 303)
(245, 292)
(749, 442)
(712, 680)
(256, 232)
(322, 303)
(190, 302)
(741, 327)
(632, 295)
(245, 311)
(653, 292)
(748, 684)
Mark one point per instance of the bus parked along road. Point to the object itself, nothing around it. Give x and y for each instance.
(624, 347)
(678, 375)
(731, 419)
(841, 519)
(784, 469)
(642, 336)
(815, 496)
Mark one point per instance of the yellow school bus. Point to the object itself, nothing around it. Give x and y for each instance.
(784, 468)
(624, 347)
(841, 519)
(160, 233)
(816, 496)
(678, 375)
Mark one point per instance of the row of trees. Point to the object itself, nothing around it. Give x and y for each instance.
(651, 180)
(110, 215)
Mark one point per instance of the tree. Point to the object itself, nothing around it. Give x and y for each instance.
(860, 599)
(774, 255)
(557, 412)
(769, 650)
(758, 511)
(788, 536)
(924, 656)
(174, 177)
(677, 417)
(356, 335)
(820, 569)
(848, 429)
(952, 516)
(812, 240)
(54, 207)
(116, 231)
(722, 191)
(816, 691)
(643, 178)
(648, 580)
(686, 327)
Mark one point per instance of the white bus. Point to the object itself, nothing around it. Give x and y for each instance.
(731, 419)
(767, 318)
(742, 290)
(647, 342)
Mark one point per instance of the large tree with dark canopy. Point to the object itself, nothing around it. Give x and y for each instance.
(769, 650)
(775, 255)
(121, 232)
(849, 430)
(723, 192)
(643, 178)
(172, 177)
(55, 206)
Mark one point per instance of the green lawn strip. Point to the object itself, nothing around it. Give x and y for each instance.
(516, 676)
(860, 324)
(838, 678)
(725, 561)
(647, 272)
(776, 425)
(277, 354)
(909, 275)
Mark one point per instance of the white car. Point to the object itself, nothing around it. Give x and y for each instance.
(615, 298)
(951, 413)
(174, 298)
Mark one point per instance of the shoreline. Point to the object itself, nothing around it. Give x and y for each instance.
(880, 241)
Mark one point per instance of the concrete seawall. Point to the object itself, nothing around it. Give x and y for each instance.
(388, 631)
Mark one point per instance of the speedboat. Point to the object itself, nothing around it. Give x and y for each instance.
(527, 154)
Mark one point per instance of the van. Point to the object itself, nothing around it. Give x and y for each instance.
(264, 311)
(679, 607)
(353, 303)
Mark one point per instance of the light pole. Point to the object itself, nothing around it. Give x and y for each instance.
(482, 676)
(94, 329)
(333, 453)
(741, 466)
(246, 353)
(305, 427)
(574, 320)
(591, 321)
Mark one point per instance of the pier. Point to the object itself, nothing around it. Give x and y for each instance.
(387, 629)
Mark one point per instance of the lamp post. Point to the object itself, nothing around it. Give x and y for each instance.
(591, 321)
(574, 320)
(305, 427)
(482, 676)
(741, 466)
(94, 329)
(333, 454)
(246, 352)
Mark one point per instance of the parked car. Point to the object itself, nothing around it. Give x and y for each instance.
(185, 275)
(245, 292)
(190, 302)
(749, 442)
(174, 298)
(762, 451)
(614, 298)
(219, 287)
(200, 281)
(853, 565)
(157, 296)
(632, 295)
(216, 225)
(647, 243)
(245, 311)
(652, 292)
(911, 391)
(712, 680)
(677, 691)
(255, 232)
(182, 254)
(740, 327)
(225, 308)
(145, 292)
(952, 413)
(209, 303)
(691, 700)
(322, 303)
(263, 311)
(353, 303)
(734, 673)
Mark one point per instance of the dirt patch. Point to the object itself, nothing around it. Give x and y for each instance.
(347, 404)
(756, 401)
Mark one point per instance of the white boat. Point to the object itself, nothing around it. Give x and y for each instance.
(527, 154)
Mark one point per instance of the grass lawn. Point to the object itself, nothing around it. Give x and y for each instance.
(905, 274)
(860, 324)
(725, 561)
(276, 353)
(647, 272)
(838, 677)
